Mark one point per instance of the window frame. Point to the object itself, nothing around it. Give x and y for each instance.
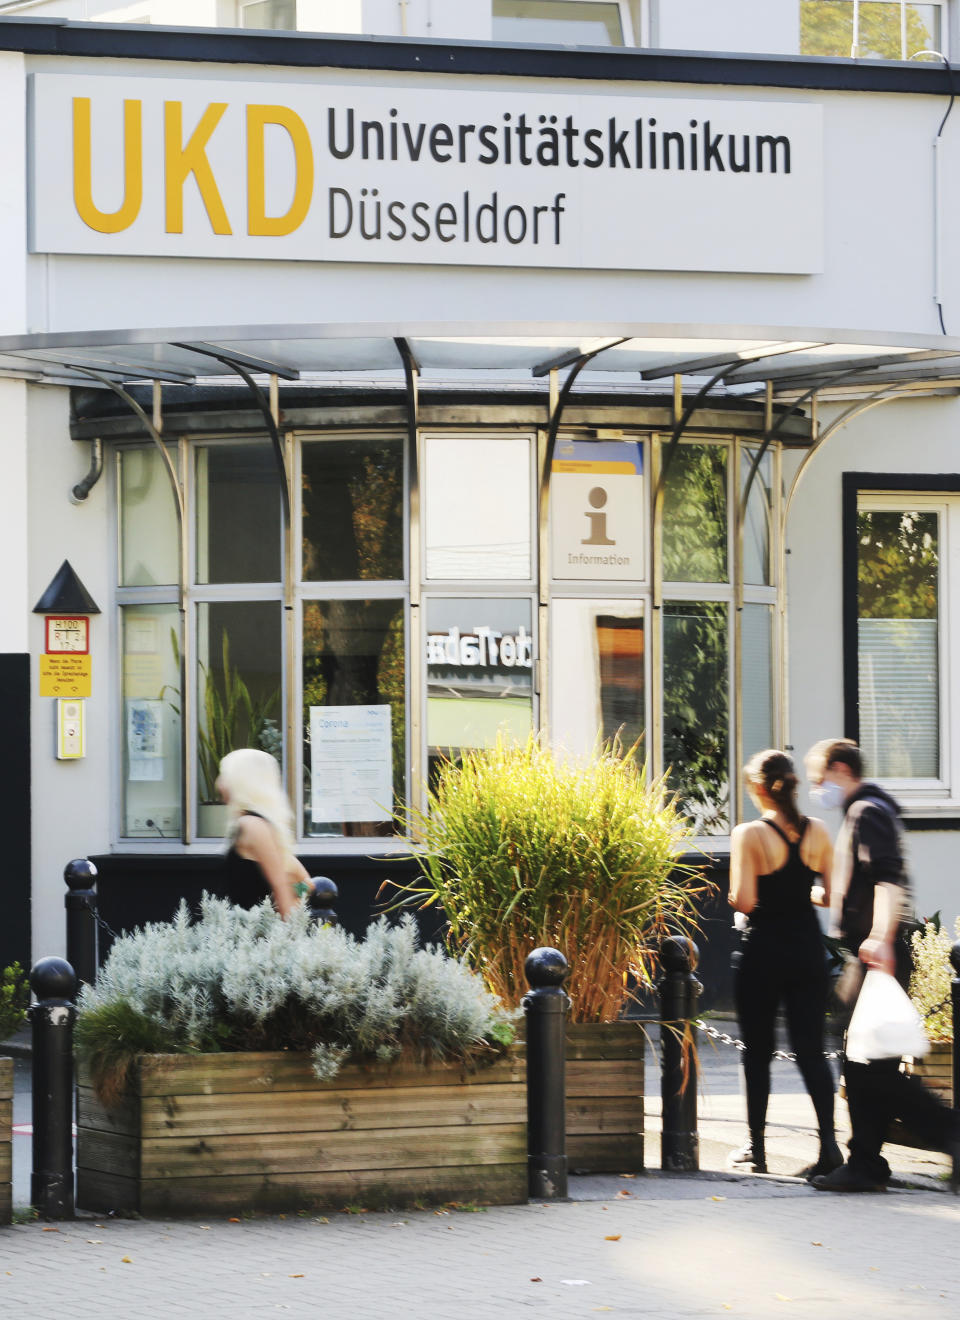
(933, 798)
(631, 38)
(942, 6)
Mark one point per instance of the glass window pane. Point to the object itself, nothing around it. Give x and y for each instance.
(354, 716)
(239, 701)
(756, 524)
(353, 502)
(695, 515)
(269, 14)
(239, 528)
(151, 721)
(898, 576)
(826, 28)
(149, 538)
(756, 685)
(696, 710)
(596, 673)
(563, 22)
(479, 673)
(477, 507)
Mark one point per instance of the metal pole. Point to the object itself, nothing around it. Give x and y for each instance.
(546, 1005)
(321, 898)
(80, 901)
(679, 988)
(955, 999)
(54, 983)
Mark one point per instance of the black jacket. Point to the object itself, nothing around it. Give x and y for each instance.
(870, 850)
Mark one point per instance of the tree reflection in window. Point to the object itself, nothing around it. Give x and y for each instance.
(352, 510)
(695, 515)
(353, 655)
(696, 710)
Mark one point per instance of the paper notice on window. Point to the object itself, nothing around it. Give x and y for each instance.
(351, 764)
(144, 740)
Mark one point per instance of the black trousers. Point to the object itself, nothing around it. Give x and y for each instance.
(879, 1092)
(784, 967)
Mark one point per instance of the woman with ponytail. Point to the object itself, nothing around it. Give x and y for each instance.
(259, 826)
(780, 867)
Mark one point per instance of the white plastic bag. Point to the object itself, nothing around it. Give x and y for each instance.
(885, 1024)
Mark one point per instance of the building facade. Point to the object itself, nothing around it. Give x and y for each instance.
(382, 395)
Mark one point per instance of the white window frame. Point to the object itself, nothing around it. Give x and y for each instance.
(941, 794)
(630, 37)
(247, 4)
(944, 25)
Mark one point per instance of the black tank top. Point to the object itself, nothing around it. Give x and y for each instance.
(242, 875)
(783, 896)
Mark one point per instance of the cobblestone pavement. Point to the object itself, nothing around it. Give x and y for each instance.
(713, 1244)
(652, 1247)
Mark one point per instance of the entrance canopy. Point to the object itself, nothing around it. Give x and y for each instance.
(739, 359)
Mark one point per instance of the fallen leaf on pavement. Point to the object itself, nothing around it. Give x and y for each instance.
(50, 1230)
(623, 1175)
(125, 1260)
(718, 1198)
(623, 1192)
(296, 1276)
(816, 1244)
(234, 1221)
(782, 1297)
(612, 1237)
(95, 1242)
(536, 1279)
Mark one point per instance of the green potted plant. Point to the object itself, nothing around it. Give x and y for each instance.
(242, 1062)
(230, 717)
(522, 847)
(14, 1000)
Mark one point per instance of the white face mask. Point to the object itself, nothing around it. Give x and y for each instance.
(828, 796)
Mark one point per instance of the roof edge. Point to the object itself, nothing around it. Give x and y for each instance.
(65, 37)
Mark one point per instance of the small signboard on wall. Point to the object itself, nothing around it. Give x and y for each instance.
(351, 764)
(597, 518)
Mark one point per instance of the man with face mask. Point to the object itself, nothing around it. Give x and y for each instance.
(869, 901)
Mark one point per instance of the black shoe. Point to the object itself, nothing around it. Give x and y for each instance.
(750, 1158)
(845, 1179)
(831, 1158)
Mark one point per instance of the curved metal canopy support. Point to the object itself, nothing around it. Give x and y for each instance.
(150, 429)
(263, 404)
(888, 394)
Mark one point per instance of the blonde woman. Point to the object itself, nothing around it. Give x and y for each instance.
(259, 826)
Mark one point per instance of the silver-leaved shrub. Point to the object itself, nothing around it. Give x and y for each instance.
(244, 980)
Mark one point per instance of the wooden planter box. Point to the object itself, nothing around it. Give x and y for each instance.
(233, 1132)
(935, 1069)
(605, 1097)
(6, 1140)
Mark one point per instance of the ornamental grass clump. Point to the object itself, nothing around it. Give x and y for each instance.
(522, 847)
(246, 980)
(931, 977)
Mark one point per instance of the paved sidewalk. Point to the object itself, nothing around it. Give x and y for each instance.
(712, 1244)
(651, 1247)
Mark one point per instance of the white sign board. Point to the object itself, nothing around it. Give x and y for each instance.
(596, 511)
(351, 764)
(322, 171)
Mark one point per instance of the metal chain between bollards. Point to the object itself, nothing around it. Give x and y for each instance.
(780, 1056)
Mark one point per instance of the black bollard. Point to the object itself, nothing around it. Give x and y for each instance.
(321, 898)
(679, 988)
(546, 1005)
(54, 983)
(80, 901)
(955, 1000)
